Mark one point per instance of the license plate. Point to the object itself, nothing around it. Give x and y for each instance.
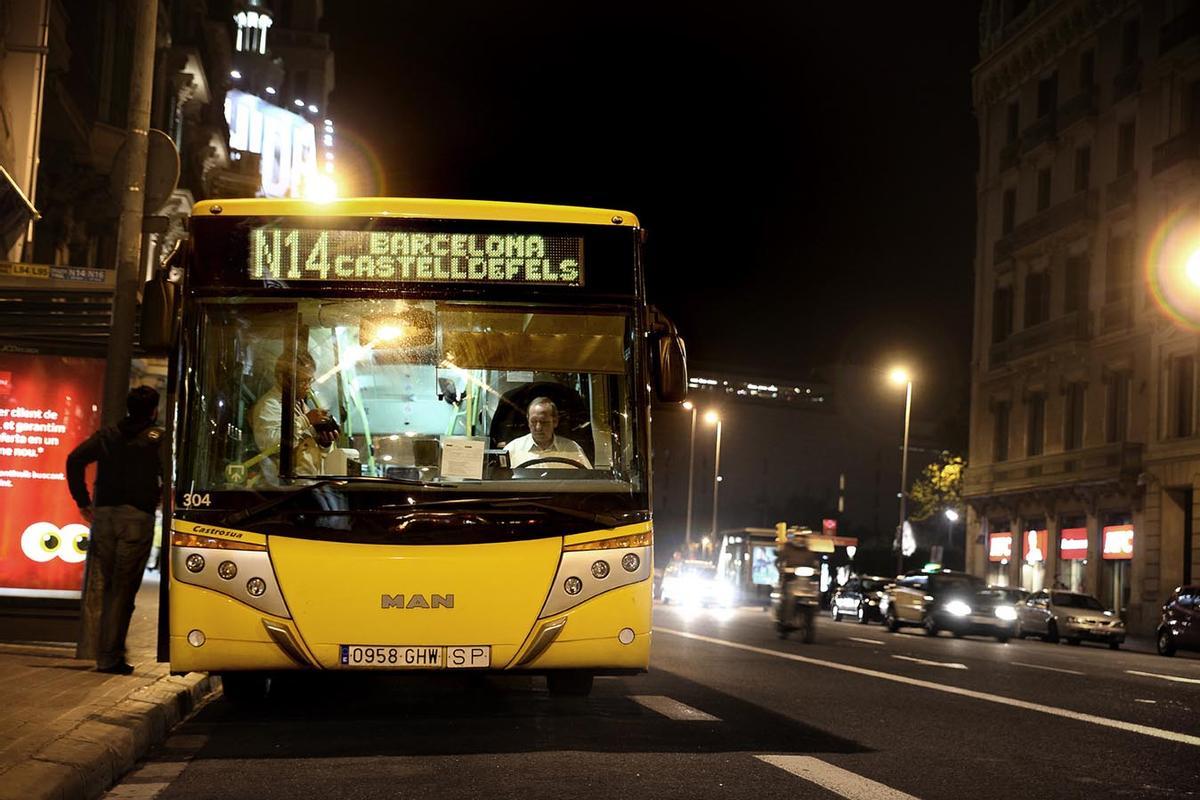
(374, 656)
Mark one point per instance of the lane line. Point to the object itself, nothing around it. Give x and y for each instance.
(1105, 722)
(672, 709)
(865, 641)
(928, 663)
(1175, 678)
(1043, 666)
(1148, 702)
(840, 781)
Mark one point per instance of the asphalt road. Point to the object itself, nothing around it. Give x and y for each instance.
(728, 710)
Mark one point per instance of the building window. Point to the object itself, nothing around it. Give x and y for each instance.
(1087, 69)
(1037, 298)
(1075, 285)
(1000, 432)
(1129, 42)
(1125, 145)
(1073, 416)
(1181, 396)
(1116, 408)
(1043, 189)
(1118, 271)
(1083, 168)
(1002, 313)
(1009, 217)
(1035, 430)
(1012, 123)
(1047, 100)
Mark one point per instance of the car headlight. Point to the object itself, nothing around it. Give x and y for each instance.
(1007, 613)
(958, 608)
(1072, 619)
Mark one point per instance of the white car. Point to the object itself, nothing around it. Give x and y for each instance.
(695, 583)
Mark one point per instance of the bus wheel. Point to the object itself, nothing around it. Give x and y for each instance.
(569, 683)
(245, 689)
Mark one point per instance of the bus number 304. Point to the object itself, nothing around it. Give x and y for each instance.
(194, 500)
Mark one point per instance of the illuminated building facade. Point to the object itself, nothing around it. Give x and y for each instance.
(1084, 449)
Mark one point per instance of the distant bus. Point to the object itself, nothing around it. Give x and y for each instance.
(397, 531)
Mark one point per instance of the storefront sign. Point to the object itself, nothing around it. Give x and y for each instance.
(287, 142)
(48, 405)
(829, 527)
(1033, 546)
(1118, 542)
(1073, 543)
(1000, 546)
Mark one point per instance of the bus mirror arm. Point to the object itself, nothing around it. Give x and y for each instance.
(160, 306)
(668, 358)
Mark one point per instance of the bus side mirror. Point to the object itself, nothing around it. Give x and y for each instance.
(158, 314)
(668, 359)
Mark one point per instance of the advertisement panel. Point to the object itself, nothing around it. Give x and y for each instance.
(1000, 546)
(1033, 546)
(762, 566)
(48, 405)
(1073, 543)
(1118, 542)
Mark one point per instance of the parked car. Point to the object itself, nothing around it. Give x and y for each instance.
(859, 598)
(948, 600)
(695, 583)
(1055, 615)
(1180, 625)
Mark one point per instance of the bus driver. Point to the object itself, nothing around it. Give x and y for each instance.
(541, 442)
(314, 430)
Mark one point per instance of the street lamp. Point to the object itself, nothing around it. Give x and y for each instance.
(690, 406)
(713, 418)
(951, 518)
(899, 375)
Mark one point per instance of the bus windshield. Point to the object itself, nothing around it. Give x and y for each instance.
(415, 391)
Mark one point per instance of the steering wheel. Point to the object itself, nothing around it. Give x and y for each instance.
(550, 460)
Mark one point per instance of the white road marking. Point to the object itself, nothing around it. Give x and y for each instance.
(672, 709)
(1175, 678)
(1043, 666)
(928, 663)
(840, 781)
(1149, 702)
(1121, 725)
(865, 641)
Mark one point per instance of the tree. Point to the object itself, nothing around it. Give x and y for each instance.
(938, 488)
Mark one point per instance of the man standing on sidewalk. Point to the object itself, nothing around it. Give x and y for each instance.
(129, 458)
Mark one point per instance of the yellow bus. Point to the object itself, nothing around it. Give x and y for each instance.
(466, 483)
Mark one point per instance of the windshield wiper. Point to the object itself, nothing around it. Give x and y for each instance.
(591, 516)
(239, 517)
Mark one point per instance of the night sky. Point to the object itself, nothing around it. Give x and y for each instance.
(806, 173)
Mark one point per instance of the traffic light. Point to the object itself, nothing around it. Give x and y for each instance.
(781, 533)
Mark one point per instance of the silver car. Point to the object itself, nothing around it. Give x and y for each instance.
(1055, 615)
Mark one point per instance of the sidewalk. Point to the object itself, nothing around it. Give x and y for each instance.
(67, 732)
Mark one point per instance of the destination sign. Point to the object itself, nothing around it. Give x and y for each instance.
(337, 256)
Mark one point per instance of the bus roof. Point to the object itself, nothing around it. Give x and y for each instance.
(416, 208)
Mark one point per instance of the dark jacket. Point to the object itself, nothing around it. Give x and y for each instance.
(129, 457)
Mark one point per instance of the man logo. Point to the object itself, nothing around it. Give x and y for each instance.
(417, 601)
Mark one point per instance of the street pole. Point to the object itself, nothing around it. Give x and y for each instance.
(903, 481)
(691, 470)
(716, 482)
(129, 227)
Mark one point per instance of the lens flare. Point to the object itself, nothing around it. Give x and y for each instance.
(1172, 268)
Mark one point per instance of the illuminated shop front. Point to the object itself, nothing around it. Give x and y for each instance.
(1117, 538)
(1034, 541)
(1073, 553)
(999, 554)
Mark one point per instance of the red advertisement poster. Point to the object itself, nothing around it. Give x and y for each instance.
(1118, 542)
(1000, 546)
(1033, 546)
(48, 405)
(1073, 543)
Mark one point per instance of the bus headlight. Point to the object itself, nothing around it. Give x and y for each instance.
(194, 562)
(572, 585)
(600, 570)
(630, 562)
(227, 570)
(584, 573)
(256, 587)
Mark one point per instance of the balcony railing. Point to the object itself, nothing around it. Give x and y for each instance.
(1080, 208)
(1120, 191)
(1044, 130)
(1179, 30)
(1072, 327)
(1176, 150)
(1109, 463)
(1127, 81)
(1081, 106)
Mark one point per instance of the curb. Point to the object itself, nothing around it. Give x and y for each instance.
(89, 760)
